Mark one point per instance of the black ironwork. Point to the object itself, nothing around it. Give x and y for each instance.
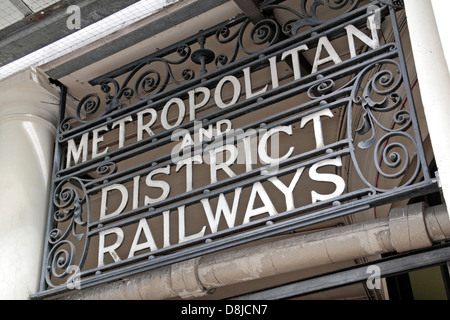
(375, 78)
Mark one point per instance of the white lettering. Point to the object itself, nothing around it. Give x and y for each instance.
(166, 231)
(222, 208)
(96, 140)
(141, 127)
(262, 147)
(268, 207)
(163, 185)
(136, 181)
(165, 112)
(295, 59)
(288, 191)
(353, 31)
(188, 162)
(318, 133)
(224, 165)
(248, 85)
(104, 200)
(274, 72)
(182, 227)
(193, 106)
(82, 150)
(148, 244)
(224, 122)
(121, 124)
(102, 250)
(236, 91)
(327, 177)
(333, 56)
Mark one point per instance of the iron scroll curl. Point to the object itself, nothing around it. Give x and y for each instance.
(394, 148)
(72, 212)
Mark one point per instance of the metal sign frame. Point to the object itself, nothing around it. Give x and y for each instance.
(70, 226)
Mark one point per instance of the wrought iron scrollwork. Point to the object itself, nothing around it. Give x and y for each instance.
(147, 79)
(379, 94)
(307, 15)
(107, 168)
(322, 88)
(395, 155)
(69, 198)
(142, 82)
(263, 34)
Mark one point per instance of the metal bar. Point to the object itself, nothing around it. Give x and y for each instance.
(412, 109)
(251, 10)
(389, 267)
(212, 79)
(56, 166)
(372, 201)
(445, 272)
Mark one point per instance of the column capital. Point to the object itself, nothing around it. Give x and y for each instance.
(29, 93)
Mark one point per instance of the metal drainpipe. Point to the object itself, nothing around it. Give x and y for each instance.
(407, 228)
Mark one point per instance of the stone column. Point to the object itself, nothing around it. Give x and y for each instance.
(28, 116)
(434, 81)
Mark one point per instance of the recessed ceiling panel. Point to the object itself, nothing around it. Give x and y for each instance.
(9, 14)
(12, 11)
(36, 5)
(14, 57)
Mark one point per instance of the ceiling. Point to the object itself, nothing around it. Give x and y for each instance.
(12, 11)
(30, 25)
(42, 37)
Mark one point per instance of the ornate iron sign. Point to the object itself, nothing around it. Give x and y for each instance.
(187, 151)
